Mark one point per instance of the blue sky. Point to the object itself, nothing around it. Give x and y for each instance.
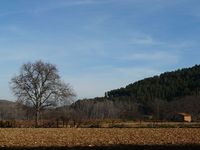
(98, 45)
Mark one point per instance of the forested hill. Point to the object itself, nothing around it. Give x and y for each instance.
(167, 86)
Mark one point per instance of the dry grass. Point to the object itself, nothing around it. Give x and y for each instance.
(30, 137)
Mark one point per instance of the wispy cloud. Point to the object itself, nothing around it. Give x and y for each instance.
(96, 23)
(69, 3)
(142, 40)
(8, 13)
(145, 40)
(13, 30)
(85, 2)
(45, 6)
(20, 55)
(151, 56)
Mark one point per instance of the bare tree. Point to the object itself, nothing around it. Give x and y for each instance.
(39, 85)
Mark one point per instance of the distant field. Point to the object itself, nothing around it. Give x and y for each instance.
(72, 137)
(142, 124)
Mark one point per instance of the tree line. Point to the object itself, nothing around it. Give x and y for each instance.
(42, 95)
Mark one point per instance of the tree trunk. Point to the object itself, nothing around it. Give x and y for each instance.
(37, 116)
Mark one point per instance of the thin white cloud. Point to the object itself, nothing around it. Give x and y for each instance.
(20, 55)
(85, 2)
(95, 23)
(9, 13)
(137, 72)
(143, 39)
(136, 38)
(160, 56)
(13, 30)
(47, 7)
(69, 3)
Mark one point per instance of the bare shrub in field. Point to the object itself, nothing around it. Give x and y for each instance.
(7, 124)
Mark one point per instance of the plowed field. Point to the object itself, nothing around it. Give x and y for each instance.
(70, 137)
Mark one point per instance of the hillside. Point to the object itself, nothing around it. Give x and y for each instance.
(6, 102)
(167, 86)
(160, 97)
(7, 109)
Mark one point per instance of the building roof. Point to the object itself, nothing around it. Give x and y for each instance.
(184, 114)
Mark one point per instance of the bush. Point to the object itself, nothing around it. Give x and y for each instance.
(7, 124)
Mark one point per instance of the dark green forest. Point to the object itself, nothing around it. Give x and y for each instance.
(167, 86)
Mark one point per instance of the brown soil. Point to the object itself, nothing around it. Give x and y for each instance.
(72, 137)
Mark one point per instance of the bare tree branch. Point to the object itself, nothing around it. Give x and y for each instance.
(39, 84)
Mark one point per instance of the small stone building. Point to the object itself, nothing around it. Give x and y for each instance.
(183, 117)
